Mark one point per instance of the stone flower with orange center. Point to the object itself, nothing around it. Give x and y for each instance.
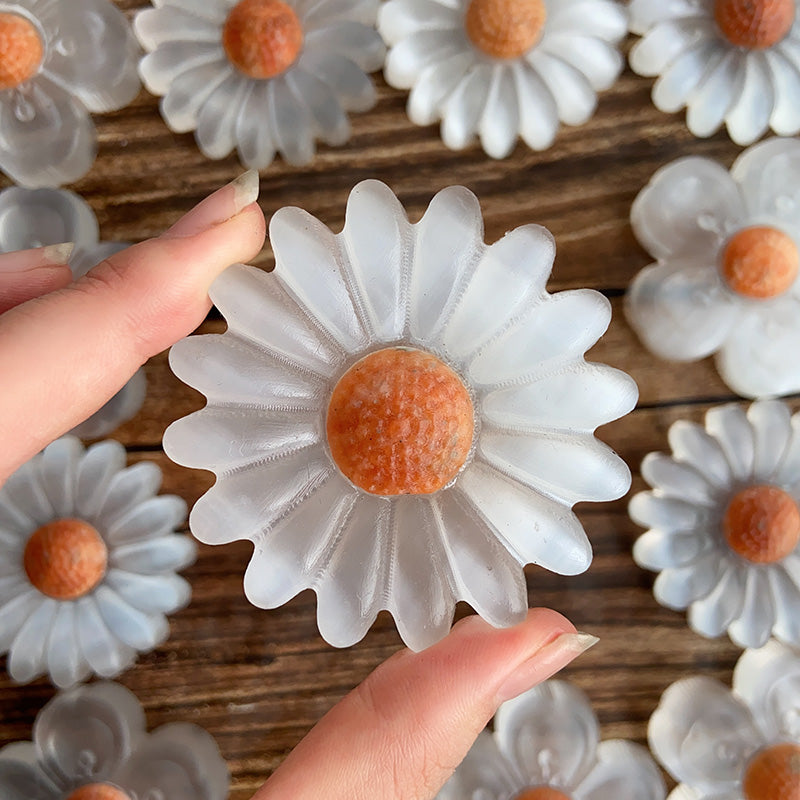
(502, 69)
(735, 62)
(261, 76)
(545, 746)
(724, 523)
(725, 281)
(742, 744)
(58, 62)
(400, 417)
(88, 554)
(91, 743)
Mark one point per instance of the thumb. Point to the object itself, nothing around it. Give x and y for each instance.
(402, 732)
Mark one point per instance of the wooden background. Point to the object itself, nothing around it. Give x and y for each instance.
(258, 680)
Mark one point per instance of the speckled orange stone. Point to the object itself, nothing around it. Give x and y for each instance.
(98, 791)
(505, 28)
(400, 421)
(774, 774)
(65, 559)
(262, 37)
(762, 524)
(542, 793)
(21, 50)
(754, 24)
(760, 262)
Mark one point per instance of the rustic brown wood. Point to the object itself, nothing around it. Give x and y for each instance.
(258, 680)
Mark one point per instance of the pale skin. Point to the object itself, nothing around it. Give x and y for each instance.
(67, 347)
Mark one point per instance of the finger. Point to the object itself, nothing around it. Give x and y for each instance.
(26, 274)
(402, 732)
(65, 354)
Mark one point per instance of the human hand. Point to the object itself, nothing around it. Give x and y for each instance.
(66, 348)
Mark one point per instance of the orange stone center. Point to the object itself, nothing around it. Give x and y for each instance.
(65, 559)
(773, 774)
(262, 37)
(760, 262)
(505, 28)
(541, 793)
(400, 422)
(762, 524)
(21, 50)
(98, 791)
(754, 24)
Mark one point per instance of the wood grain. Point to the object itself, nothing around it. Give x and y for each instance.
(258, 680)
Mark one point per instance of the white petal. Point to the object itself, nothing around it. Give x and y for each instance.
(785, 118)
(418, 588)
(375, 230)
(320, 14)
(576, 396)
(692, 444)
(350, 590)
(484, 772)
(128, 487)
(569, 468)
(599, 61)
(216, 120)
(554, 718)
(434, 86)
(360, 43)
(604, 19)
(499, 122)
(153, 517)
(58, 468)
(657, 550)
(768, 174)
(254, 139)
(669, 514)
(575, 98)
(711, 615)
(679, 587)
(788, 471)
(308, 261)
(709, 104)
(161, 67)
(748, 118)
(646, 13)
(410, 56)
(97, 468)
(150, 593)
(786, 594)
(140, 631)
(242, 504)
(169, 553)
(753, 625)
(678, 480)
(104, 652)
(729, 425)
(257, 306)
(624, 771)
(665, 41)
(680, 79)
(537, 529)
(449, 242)
(14, 612)
(401, 18)
(65, 662)
(538, 113)
(188, 92)
(290, 556)
(46, 136)
(772, 429)
(23, 491)
(686, 210)
(230, 370)
(462, 112)
(27, 654)
(157, 26)
(354, 89)
(22, 781)
(511, 275)
(488, 577)
(553, 333)
(701, 733)
(227, 438)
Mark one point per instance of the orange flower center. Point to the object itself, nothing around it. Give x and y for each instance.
(774, 774)
(541, 793)
(98, 791)
(760, 262)
(262, 37)
(21, 50)
(400, 422)
(754, 24)
(762, 524)
(505, 28)
(65, 559)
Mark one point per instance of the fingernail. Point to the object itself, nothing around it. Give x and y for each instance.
(219, 207)
(544, 663)
(58, 253)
